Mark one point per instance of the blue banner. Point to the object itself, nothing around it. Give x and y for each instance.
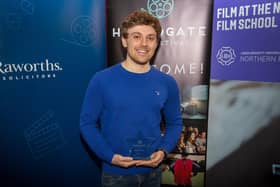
(244, 103)
(246, 40)
(48, 52)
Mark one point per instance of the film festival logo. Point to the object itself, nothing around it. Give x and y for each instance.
(29, 71)
(82, 32)
(160, 8)
(226, 56)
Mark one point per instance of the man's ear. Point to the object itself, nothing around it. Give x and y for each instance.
(124, 42)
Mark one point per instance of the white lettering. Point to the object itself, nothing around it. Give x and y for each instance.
(261, 9)
(227, 12)
(165, 68)
(170, 31)
(116, 33)
(180, 70)
(202, 31)
(192, 68)
(276, 7)
(16, 67)
(219, 12)
(254, 58)
(244, 10)
(257, 23)
(226, 25)
(1, 70)
(180, 32)
(28, 67)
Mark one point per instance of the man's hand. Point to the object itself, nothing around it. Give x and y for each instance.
(156, 159)
(123, 161)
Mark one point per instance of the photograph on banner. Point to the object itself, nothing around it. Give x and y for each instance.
(244, 119)
(184, 53)
(191, 147)
(193, 137)
(183, 169)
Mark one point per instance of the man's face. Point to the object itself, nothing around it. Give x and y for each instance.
(203, 135)
(141, 44)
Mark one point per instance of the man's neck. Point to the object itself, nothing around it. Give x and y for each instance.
(136, 68)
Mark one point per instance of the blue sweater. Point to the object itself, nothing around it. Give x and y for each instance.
(120, 105)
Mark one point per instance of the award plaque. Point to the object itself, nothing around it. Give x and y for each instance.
(139, 147)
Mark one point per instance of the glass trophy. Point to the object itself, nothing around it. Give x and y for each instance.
(139, 146)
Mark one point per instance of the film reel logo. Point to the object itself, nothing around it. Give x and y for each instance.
(82, 31)
(160, 8)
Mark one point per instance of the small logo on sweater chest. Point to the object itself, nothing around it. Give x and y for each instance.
(157, 92)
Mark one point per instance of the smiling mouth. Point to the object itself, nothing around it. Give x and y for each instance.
(142, 51)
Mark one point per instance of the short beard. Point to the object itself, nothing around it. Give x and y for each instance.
(138, 62)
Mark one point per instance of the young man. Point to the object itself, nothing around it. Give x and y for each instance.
(123, 108)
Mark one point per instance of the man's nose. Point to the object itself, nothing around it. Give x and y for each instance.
(144, 41)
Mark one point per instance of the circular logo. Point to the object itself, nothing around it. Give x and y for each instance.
(82, 29)
(160, 8)
(226, 56)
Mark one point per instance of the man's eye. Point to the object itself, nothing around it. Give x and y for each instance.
(151, 38)
(136, 37)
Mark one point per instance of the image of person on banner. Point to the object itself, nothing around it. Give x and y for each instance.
(124, 106)
(183, 171)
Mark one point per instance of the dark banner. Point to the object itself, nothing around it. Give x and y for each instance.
(48, 52)
(184, 53)
(244, 104)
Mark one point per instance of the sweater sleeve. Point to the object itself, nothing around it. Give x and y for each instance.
(173, 118)
(89, 117)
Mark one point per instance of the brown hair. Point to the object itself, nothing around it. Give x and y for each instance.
(140, 18)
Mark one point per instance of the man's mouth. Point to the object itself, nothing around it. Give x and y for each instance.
(142, 51)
